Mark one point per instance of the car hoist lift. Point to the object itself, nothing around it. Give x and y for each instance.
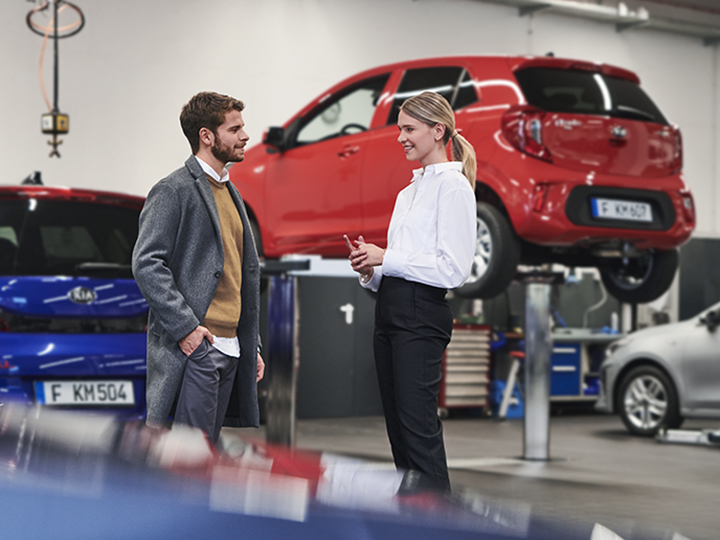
(54, 122)
(703, 437)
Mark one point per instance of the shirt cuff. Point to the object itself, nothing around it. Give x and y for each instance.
(394, 262)
(374, 282)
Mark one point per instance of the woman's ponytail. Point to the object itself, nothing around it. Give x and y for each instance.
(463, 151)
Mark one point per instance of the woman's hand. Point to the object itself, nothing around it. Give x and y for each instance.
(364, 256)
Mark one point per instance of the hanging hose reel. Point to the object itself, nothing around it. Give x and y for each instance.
(54, 122)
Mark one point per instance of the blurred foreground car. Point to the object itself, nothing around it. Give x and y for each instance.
(96, 477)
(658, 376)
(72, 320)
(576, 165)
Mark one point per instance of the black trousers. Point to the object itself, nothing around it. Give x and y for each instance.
(413, 324)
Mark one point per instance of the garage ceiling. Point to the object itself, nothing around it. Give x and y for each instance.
(699, 18)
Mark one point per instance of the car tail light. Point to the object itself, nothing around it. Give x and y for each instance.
(539, 196)
(677, 160)
(522, 127)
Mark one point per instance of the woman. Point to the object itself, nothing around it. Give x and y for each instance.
(431, 243)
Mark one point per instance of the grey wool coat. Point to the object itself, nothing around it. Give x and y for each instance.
(177, 263)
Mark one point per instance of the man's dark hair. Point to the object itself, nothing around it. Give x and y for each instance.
(206, 110)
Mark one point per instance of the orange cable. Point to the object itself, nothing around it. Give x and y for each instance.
(47, 29)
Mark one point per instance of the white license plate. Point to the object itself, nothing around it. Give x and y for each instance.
(625, 210)
(85, 393)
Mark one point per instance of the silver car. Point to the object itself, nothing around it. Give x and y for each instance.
(656, 377)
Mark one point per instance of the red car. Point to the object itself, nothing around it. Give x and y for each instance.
(576, 165)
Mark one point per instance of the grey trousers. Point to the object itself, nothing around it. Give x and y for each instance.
(205, 390)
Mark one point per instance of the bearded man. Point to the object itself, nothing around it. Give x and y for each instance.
(196, 264)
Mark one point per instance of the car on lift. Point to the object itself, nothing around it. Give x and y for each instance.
(576, 165)
(656, 377)
(72, 320)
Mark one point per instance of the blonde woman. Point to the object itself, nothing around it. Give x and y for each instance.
(431, 243)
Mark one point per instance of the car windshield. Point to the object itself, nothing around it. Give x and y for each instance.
(58, 237)
(586, 92)
(349, 113)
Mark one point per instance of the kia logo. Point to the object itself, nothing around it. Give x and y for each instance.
(619, 132)
(82, 295)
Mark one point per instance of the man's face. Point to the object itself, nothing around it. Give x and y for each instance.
(230, 139)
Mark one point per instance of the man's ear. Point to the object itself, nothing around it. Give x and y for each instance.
(206, 136)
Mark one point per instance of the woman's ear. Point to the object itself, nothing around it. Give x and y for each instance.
(439, 131)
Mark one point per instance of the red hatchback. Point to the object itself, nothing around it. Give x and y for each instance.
(576, 165)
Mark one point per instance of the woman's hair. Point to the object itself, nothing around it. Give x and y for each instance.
(431, 108)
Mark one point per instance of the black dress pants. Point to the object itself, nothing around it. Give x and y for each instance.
(413, 324)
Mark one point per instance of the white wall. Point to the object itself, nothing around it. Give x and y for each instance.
(125, 76)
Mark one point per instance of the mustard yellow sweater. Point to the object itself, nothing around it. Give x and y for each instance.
(223, 314)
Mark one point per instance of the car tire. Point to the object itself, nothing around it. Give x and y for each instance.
(647, 401)
(642, 279)
(497, 254)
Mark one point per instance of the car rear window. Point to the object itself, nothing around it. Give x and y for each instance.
(53, 237)
(587, 92)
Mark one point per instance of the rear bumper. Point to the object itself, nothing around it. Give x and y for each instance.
(564, 218)
(28, 358)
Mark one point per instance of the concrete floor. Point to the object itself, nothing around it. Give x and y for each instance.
(598, 472)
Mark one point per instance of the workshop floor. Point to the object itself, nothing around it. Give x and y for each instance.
(598, 472)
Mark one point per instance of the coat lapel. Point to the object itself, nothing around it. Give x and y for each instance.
(203, 187)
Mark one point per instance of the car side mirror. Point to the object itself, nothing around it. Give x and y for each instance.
(275, 138)
(711, 320)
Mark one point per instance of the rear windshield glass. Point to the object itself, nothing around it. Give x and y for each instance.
(51, 237)
(583, 92)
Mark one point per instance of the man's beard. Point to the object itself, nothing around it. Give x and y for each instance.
(224, 153)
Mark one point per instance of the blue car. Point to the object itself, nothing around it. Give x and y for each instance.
(72, 320)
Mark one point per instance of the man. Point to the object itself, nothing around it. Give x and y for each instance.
(196, 264)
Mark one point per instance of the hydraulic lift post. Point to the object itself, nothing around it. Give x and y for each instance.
(538, 350)
(283, 358)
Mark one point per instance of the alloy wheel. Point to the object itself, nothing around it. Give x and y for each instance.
(483, 251)
(646, 402)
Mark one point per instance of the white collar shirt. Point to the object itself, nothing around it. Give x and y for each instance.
(432, 232)
(209, 170)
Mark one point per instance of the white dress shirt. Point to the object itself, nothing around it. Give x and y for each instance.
(227, 346)
(432, 232)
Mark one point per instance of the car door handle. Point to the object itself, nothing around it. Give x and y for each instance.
(348, 151)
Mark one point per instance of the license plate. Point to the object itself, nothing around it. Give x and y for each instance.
(85, 393)
(625, 210)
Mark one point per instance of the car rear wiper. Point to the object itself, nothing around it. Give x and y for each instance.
(632, 113)
(103, 268)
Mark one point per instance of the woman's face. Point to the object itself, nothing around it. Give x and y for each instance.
(421, 142)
